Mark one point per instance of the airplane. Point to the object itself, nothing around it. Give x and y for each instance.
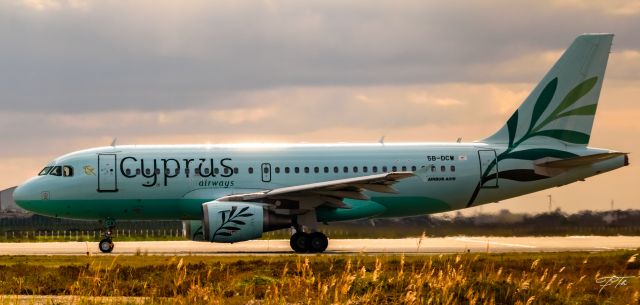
(234, 193)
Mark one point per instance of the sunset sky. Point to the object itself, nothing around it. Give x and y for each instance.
(75, 74)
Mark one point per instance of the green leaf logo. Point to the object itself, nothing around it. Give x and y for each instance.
(512, 125)
(571, 98)
(535, 128)
(543, 101)
(230, 223)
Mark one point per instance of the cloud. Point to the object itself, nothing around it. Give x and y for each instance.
(85, 56)
(294, 111)
(612, 7)
(76, 74)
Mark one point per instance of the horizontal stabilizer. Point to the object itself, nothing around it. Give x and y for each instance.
(552, 167)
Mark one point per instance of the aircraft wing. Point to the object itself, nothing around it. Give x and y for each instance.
(328, 193)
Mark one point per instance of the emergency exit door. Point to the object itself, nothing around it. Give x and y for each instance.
(488, 168)
(107, 174)
(266, 172)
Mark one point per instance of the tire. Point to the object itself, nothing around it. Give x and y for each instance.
(106, 245)
(317, 242)
(299, 242)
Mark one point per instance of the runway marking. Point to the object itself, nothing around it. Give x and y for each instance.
(464, 239)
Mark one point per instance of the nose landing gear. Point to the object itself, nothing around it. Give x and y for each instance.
(106, 244)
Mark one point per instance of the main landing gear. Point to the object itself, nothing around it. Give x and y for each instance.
(302, 242)
(106, 244)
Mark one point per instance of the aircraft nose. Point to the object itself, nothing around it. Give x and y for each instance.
(24, 194)
(19, 194)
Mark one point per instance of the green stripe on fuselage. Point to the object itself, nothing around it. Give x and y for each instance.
(192, 208)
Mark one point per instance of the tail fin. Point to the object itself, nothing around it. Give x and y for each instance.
(561, 108)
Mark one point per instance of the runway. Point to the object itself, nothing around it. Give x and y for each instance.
(337, 246)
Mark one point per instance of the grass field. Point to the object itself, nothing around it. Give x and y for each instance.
(541, 278)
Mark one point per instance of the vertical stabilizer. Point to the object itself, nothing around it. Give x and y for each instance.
(561, 108)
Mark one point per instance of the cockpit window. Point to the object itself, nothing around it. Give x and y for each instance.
(56, 171)
(44, 171)
(67, 171)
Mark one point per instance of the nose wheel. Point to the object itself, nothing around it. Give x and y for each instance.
(106, 244)
(302, 242)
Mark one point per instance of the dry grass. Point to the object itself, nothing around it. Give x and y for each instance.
(564, 278)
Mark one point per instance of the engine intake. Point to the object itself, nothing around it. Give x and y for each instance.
(229, 222)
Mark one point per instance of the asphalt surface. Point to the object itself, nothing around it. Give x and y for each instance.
(337, 246)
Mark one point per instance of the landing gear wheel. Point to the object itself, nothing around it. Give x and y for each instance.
(106, 245)
(299, 242)
(317, 242)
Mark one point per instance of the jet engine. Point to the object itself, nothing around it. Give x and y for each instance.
(228, 222)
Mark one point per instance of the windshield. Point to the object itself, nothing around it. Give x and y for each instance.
(56, 171)
(44, 171)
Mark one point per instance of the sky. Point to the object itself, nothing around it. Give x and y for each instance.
(75, 74)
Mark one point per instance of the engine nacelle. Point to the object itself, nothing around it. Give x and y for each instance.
(228, 222)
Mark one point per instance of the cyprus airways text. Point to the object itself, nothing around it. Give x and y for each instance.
(169, 168)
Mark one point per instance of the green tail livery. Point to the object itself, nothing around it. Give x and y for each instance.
(232, 193)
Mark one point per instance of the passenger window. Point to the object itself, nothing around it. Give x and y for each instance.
(286, 170)
(128, 172)
(296, 169)
(197, 172)
(345, 169)
(235, 170)
(167, 171)
(374, 169)
(138, 171)
(67, 171)
(433, 168)
(226, 170)
(216, 171)
(394, 169)
(365, 169)
(157, 171)
(384, 169)
(355, 169)
(413, 168)
(404, 168)
(186, 172)
(316, 169)
(56, 171)
(206, 171)
(306, 170)
(326, 169)
(277, 169)
(250, 170)
(335, 169)
(177, 171)
(443, 168)
(44, 171)
(453, 168)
